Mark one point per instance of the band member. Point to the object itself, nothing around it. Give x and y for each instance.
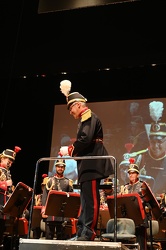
(7, 158)
(89, 142)
(60, 183)
(134, 186)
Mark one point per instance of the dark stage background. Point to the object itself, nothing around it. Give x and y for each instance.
(127, 38)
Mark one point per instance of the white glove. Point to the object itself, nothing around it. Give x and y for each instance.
(9, 182)
(64, 150)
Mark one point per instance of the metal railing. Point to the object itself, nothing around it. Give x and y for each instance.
(75, 158)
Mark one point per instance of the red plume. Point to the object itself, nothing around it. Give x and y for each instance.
(44, 176)
(131, 160)
(17, 149)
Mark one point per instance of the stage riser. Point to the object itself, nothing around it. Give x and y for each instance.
(33, 244)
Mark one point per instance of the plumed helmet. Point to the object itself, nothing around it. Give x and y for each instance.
(65, 87)
(132, 166)
(11, 154)
(75, 97)
(157, 127)
(60, 162)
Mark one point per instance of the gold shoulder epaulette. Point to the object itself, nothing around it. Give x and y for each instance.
(86, 115)
(70, 182)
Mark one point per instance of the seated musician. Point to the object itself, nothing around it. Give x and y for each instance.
(134, 186)
(7, 158)
(60, 183)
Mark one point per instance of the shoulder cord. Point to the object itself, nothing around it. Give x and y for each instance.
(52, 184)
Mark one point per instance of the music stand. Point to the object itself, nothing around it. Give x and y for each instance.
(150, 199)
(153, 206)
(15, 207)
(18, 201)
(128, 206)
(63, 204)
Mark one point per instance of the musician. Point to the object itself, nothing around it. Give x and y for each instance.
(7, 158)
(134, 186)
(60, 183)
(89, 142)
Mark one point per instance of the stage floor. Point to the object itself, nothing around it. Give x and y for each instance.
(42, 244)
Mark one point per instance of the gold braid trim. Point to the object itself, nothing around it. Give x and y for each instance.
(123, 189)
(2, 176)
(52, 184)
(86, 115)
(71, 183)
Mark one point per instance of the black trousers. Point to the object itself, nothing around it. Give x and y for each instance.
(55, 229)
(90, 204)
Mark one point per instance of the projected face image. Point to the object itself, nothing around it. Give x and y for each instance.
(127, 131)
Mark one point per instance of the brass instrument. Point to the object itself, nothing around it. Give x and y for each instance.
(2, 176)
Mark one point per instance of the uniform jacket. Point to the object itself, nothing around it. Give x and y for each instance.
(5, 191)
(89, 142)
(132, 188)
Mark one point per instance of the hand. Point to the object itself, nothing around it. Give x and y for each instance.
(44, 216)
(3, 185)
(9, 182)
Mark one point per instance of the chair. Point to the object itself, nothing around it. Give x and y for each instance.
(125, 232)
